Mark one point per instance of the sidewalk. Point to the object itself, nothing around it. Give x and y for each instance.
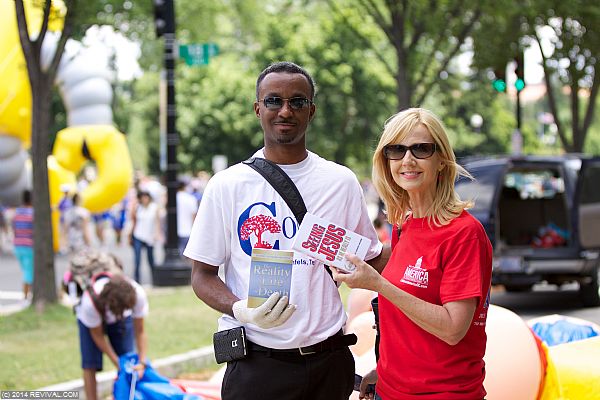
(11, 284)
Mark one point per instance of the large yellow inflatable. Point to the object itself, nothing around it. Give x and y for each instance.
(85, 87)
(75, 146)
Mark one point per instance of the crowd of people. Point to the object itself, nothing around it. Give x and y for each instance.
(138, 220)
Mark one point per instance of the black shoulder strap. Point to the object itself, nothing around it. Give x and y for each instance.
(286, 188)
(282, 183)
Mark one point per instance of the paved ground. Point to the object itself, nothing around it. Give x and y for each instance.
(11, 287)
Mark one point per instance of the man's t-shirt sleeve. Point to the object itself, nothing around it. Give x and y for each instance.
(207, 239)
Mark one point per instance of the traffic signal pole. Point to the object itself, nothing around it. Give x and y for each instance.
(519, 86)
(174, 270)
(519, 110)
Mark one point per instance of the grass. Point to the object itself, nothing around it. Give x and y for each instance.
(40, 350)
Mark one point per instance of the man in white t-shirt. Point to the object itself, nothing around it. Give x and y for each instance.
(296, 348)
(115, 313)
(187, 206)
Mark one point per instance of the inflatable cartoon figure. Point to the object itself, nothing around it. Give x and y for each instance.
(83, 78)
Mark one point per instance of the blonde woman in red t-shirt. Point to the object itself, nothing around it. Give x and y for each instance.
(434, 291)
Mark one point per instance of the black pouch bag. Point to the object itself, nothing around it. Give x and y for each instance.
(375, 307)
(230, 345)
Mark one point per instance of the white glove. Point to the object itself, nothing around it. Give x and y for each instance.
(273, 312)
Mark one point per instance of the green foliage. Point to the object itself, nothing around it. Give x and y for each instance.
(216, 114)
(571, 48)
(142, 129)
(358, 63)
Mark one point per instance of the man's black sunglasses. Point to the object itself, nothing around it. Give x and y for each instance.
(418, 150)
(295, 103)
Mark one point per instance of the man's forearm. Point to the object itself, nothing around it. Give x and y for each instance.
(104, 346)
(209, 288)
(141, 339)
(382, 259)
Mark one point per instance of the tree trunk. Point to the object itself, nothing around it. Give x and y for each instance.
(44, 287)
(403, 87)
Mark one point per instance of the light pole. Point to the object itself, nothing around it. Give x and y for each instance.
(174, 270)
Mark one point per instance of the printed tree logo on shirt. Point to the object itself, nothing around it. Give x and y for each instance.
(258, 225)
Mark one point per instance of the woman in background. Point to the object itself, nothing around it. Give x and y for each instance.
(145, 231)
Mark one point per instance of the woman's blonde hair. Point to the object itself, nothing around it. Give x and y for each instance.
(447, 204)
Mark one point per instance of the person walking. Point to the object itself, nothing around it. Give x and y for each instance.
(145, 230)
(434, 291)
(187, 206)
(77, 226)
(23, 241)
(296, 348)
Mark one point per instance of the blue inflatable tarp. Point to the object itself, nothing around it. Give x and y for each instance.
(152, 386)
(558, 330)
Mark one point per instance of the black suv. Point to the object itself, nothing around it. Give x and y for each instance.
(542, 215)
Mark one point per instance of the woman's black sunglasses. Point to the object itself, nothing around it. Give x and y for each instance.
(295, 103)
(418, 150)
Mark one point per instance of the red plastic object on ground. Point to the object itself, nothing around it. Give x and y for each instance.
(208, 390)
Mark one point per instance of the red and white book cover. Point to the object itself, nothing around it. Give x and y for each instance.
(328, 242)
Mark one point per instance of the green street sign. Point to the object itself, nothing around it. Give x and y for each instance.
(198, 53)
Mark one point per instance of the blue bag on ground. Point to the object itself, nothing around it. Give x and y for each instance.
(556, 330)
(152, 386)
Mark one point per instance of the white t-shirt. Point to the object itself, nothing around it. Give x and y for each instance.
(86, 311)
(146, 220)
(186, 210)
(330, 191)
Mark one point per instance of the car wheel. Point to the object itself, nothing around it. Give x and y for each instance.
(589, 291)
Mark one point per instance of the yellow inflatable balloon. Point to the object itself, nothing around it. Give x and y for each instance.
(15, 93)
(104, 145)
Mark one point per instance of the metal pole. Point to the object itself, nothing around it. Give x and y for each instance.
(174, 271)
(172, 142)
(519, 110)
(517, 137)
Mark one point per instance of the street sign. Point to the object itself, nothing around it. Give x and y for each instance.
(198, 53)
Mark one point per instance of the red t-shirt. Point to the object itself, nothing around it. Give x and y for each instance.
(438, 265)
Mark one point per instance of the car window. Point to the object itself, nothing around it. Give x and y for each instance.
(535, 184)
(482, 189)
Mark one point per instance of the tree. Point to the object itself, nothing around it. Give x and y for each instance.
(568, 37)
(418, 41)
(42, 81)
(572, 63)
(42, 78)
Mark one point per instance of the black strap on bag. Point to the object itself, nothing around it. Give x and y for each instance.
(286, 188)
(282, 183)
